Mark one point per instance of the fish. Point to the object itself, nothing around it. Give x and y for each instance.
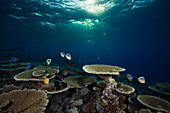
(68, 56)
(98, 57)
(48, 61)
(13, 59)
(46, 80)
(29, 65)
(141, 80)
(130, 78)
(27, 68)
(70, 64)
(62, 54)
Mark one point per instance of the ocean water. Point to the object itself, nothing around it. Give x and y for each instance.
(133, 34)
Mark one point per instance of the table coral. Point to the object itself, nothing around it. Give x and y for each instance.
(26, 101)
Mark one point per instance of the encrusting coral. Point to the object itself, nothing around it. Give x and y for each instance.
(26, 101)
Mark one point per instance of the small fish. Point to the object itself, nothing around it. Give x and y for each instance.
(62, 54)
(27, 68)
(141, 80)
(48, 61)
(130, 78)
(29, 65)
(68, 56)
(46, 80)
(13, 59)
(98, 57)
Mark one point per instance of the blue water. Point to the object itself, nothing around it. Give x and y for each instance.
(133, 34)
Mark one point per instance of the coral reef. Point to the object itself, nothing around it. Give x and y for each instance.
(26, 101)
(157, 89)
(109, 96)
(155, 103)
(124, 89)
(77, 91)
(79, 81)
(102, 69)
(164, 85)
(89, 108)
(8, 88)
(30, 76)
(144, 111)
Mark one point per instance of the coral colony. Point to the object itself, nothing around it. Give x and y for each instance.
(69, 89)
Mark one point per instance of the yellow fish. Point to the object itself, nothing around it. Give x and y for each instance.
(46, 80)
(68, 56)
(48, 61)
(62, 54)
(130, 78)
(141, 80)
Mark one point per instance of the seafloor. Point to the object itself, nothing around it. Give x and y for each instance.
(72, 90)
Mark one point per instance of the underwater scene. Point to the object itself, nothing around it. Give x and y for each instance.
(84, 56)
